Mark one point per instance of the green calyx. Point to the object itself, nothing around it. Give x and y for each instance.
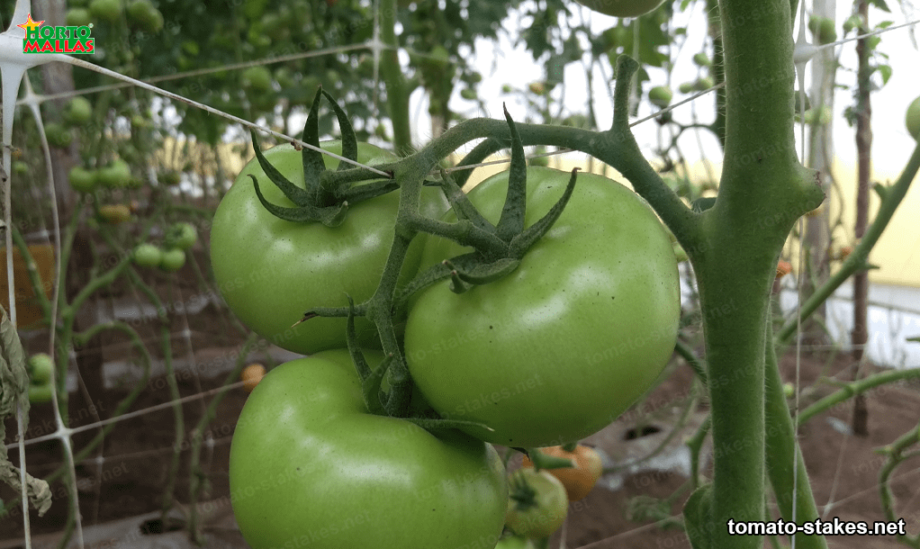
(321, 200)
(498, 248)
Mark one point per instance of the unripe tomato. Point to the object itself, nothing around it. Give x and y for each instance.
(686, 87)
(823, 29)
(702, 60)
(58, 135)
(78, 17)
(147, 255)
(258, 79)
(82, 180)
(106, 10)
(538, 504)
(580, 479)
(660, 96)
(143, 14)
(78, 111)
(172, 260)
(492, 354)
(181, 235)
(20, 167)
(912, 119)
(39, 394)
(40, 366)
(621, 8)
(311, 467)
(115, 175)
(115, 213)
(251, 376)
(703, 84)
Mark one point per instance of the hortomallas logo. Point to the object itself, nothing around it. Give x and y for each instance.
(48, 39)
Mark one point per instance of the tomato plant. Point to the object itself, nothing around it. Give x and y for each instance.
(537, 506)
(269, 271)
(307, 457)
(560, 347)
(580, 479)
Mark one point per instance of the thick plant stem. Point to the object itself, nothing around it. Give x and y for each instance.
(764, 189)
(397, 87)
(785, 466)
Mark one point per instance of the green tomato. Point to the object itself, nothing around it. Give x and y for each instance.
(106, 10)
(20, 167)
(143, 14)
(621, 8)
(172, 260)
(40, 366)
(598, 294)
(78, 111)
(148, 255)
(912, 119)
(78, 17)
(115, 175)
(686, 87)
(703, 84)
(58, 135)
(701, 60)
(258, 79)
(469, 94)
(660, 96)
(181, 235)
(515, 542)
(823, 29)
(114, 213)
(310, 466)
(39, 394)
(543, 510)
(270, 271)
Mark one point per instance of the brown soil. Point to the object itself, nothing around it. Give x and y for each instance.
(132, 479)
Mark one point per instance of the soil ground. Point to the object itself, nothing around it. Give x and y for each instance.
(843, 468)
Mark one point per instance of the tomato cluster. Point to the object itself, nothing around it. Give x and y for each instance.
(546, 354)
(40, 368)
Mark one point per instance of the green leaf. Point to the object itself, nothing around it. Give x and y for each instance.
(698, 517)
(880, 4)
(885, 71)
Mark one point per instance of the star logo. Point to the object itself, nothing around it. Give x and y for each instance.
(30, 24)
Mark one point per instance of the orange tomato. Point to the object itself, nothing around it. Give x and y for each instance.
(578, 480)
(251, 376)
(783, 268)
